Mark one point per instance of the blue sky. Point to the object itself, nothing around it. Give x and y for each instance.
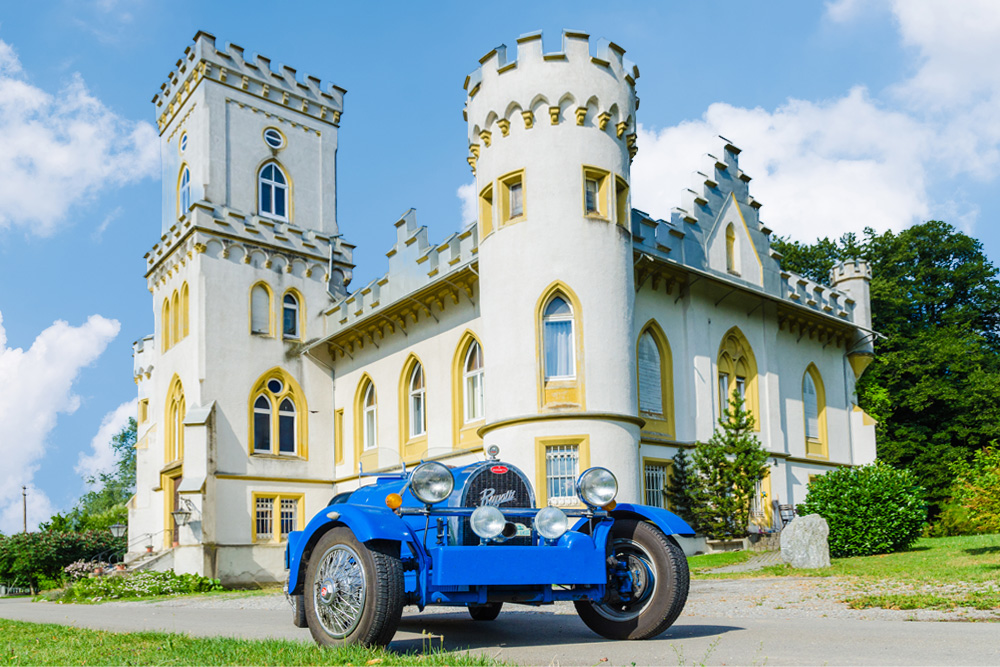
(850, 114)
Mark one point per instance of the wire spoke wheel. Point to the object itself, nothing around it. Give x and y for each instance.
(340, 591)
(353, 591)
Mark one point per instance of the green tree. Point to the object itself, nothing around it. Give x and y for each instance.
(104, 504)
(681, 492)
(728, 468)
(977, 490)
(932, 386)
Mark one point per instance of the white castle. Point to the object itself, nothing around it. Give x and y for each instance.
(566, 327)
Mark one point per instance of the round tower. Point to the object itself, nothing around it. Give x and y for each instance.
(854, 276)
(551, 136)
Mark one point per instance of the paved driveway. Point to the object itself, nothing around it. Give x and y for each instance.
(777, 622)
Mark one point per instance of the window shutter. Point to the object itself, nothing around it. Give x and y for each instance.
(260, 306)
(650, 378)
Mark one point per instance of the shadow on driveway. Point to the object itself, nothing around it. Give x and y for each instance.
(455, 630)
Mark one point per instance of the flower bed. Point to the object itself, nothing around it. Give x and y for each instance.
(120, 586)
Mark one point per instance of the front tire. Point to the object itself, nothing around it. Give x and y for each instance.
(647, 588)
(485, 612)
(353, 591)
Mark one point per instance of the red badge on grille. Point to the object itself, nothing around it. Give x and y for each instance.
(498, 470)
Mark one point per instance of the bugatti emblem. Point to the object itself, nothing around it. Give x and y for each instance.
(491, 497)
(498, 470)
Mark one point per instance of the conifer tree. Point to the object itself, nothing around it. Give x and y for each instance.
(681, 492)
(727, 469)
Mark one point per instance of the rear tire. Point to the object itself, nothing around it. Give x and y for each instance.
(659, 576)
(353, 592)
(485, 612)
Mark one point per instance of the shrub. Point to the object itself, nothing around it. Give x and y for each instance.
(27, 557)
(977, 490)
(138, 585)
(873, 509)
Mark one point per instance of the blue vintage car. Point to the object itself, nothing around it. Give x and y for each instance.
(472, 536)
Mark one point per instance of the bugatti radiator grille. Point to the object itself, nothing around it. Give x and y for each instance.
(503, 488)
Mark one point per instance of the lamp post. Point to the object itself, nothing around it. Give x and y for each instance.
(117, 531)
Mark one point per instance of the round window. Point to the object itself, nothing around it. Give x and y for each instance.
(273, 138)
(275, 386)
(184, 142)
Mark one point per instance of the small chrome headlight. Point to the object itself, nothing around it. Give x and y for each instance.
(431, 482)
(597, 487)
(487, 522)
(551, 523)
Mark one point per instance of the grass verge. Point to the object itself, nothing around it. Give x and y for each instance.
(976, 600)
(932, 560)
(705, 562)
(46, 644)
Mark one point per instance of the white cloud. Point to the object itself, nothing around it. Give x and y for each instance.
(39, 386)
(819, 168)
(102, 457)
(62, 149)
(467, 195)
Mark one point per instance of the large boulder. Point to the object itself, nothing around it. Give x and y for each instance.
(804, 542)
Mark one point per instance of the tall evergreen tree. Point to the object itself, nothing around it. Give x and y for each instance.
(728, 468)
(681, 492)
(936, 374)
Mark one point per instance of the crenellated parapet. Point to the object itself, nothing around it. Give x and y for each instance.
(143, 358)
(684, 240)
(423, 280)
(538, 90)
(250, 240)
(255, 77)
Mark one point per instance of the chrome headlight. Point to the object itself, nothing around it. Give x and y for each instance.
(597, 487)
(551, 523)
(431, 482)
(487, 522)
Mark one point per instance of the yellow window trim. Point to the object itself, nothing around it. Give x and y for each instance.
(338, 436)
(301, 324)
(463, 435)
(185, 312)
(668, 463)
(292, 390)
(486, 211)
(603, 178)
(143, 412)
(666, 424)
(816, 448)
(765, 487)
(369, 459)
(568, 393)
(276, 499)
(174, 413)
(289, 190)
(504, 185)
(542, 444)
(175, 316)
(177, 190)
(735, 342)
(415, 446)
(270, 310)
(165, 325)
(622, 207)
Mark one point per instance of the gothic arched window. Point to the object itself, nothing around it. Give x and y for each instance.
(273, 186)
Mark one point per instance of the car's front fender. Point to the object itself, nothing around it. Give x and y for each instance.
(367, 523)
(667, 521)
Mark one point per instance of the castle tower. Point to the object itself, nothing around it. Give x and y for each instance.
(239, 277)
(551, 136)
(854, 277)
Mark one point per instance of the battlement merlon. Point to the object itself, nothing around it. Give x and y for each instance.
(850, 269)
(537, 79)
(281, 85)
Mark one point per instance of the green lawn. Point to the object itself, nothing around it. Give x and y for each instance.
(38, 644)
(706, 562)
(944, 572)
